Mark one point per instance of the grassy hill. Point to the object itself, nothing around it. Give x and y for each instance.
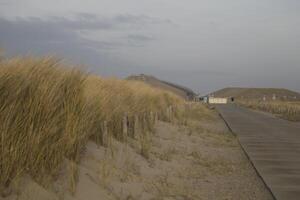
(258, 93)
(153, 81)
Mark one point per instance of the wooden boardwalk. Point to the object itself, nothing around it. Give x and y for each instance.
(272, 145)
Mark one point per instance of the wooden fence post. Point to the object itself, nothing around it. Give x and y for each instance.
(155, 117)
(168, 114)
(152, 119)
(171, 114)
(144, 122)
(125, 127)
(105, 134)
(136, 127)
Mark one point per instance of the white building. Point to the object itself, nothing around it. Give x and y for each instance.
(215, 100)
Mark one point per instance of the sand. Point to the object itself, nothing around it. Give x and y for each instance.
(203, 161)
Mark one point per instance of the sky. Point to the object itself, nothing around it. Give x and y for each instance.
(202, 44)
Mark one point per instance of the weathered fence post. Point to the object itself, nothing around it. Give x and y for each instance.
(136, 127)
(152, 118)
(171, 114)
(155, 117)
(125, 127)
(144, 122)
(105, 134)
(168, 114)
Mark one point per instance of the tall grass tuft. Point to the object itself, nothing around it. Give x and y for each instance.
(42, 114)
(48, 112)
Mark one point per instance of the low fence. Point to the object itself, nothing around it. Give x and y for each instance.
(134, 126)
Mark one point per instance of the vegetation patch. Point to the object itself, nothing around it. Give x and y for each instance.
(283, 109)
(48, 112)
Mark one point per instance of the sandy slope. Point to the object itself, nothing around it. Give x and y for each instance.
(200, 162)
(164, 85)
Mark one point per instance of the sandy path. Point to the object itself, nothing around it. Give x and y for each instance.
(204, 162)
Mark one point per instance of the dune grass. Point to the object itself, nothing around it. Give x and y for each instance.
(113, 98)
(283, 109)
(48, 111)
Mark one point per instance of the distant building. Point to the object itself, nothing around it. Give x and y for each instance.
(214, 100)
(200, 98)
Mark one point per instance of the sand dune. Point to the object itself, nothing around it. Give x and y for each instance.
(199, 161)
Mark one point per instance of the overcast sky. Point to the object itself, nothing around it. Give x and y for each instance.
(202, 44)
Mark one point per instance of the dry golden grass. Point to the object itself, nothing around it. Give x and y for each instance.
(48, 112)
(113, 98)
(286, 110)
(199, 111)
(41, 109)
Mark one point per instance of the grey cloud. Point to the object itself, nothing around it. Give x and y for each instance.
(38, 37)
(60, 36)
(29, 36)
(37, 34)
(84, 22)
(4, 2)
(138, 19)
(139, 38)
(31, 33)
(84, 15)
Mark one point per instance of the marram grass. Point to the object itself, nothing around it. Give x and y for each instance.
(283, 109)
(49, 111)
